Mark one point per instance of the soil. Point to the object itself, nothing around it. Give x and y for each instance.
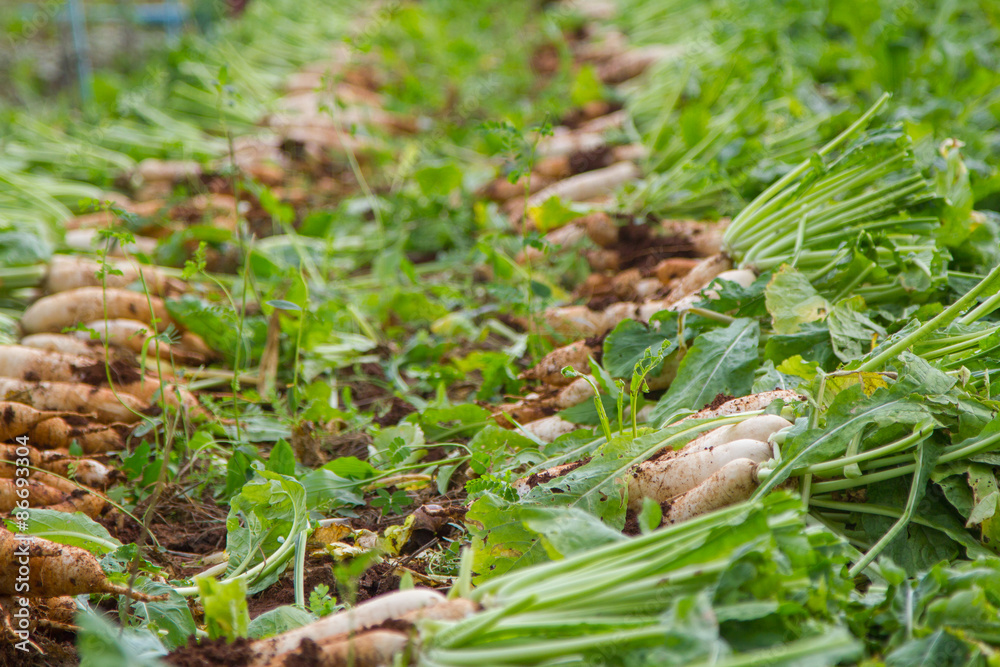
(283, 591)
(547, 476)
(631, 524)
(211, 653)
(638, 247)
(96, 373)
(719, 399)
(597, 158)
(398, 409)
(60, 651)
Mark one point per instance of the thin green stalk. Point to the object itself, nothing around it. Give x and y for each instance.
(762, 202)
(834, 465)
(940, 320)
(890, 535)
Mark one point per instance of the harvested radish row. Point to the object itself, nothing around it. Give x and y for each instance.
(54, 570)
(79, 345)
(733, 483)
(28, 363)
(582, 321)
(75, 397)
(67, 273)
(77, 499)
(18, 419)
(366, 615)
(133, 334)
(588, 185)
(549, 369)
(34, 492)
(750, 403)
(60, 433)
(85, 304)
(760, 427)
(674, 473)
(87, 471)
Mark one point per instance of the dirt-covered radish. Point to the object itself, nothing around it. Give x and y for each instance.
(635, 61)
(588, 185)
(582, 321)
(749, 403)
(533, 408)
(366, 615)
(53, 570)
(673, 473)
(376, 648)
(87, 471)
(18, 419)
(78, 345)
(28, 363)
(57, 613)
(699, 276)
(34, 492)
(549, 370)
(61, 432)
(85, 304)
(77, 499)
(75, 397)
(733, 483)
(760, 427)
(548, 429)
(67, 272)
(133, 334)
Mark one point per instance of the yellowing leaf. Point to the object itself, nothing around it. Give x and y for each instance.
(869, 383)
(792, 300)
(798, 367)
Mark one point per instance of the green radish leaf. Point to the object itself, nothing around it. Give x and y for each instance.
(438, 180)
(278, 620)
(171, 617)
(625, 346)
(74, 529)
(983, 481)
(282, 458)
(792, 301)
(566, 531)
(19, 248)
(939, 649)
(351, 467)
(720, 361)
(260, 520)
(586, 87)
(101, 643)
(500, 540)
(650, 515)
(225, 605)
(811, 342)
(851, 331)
(554, 213)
